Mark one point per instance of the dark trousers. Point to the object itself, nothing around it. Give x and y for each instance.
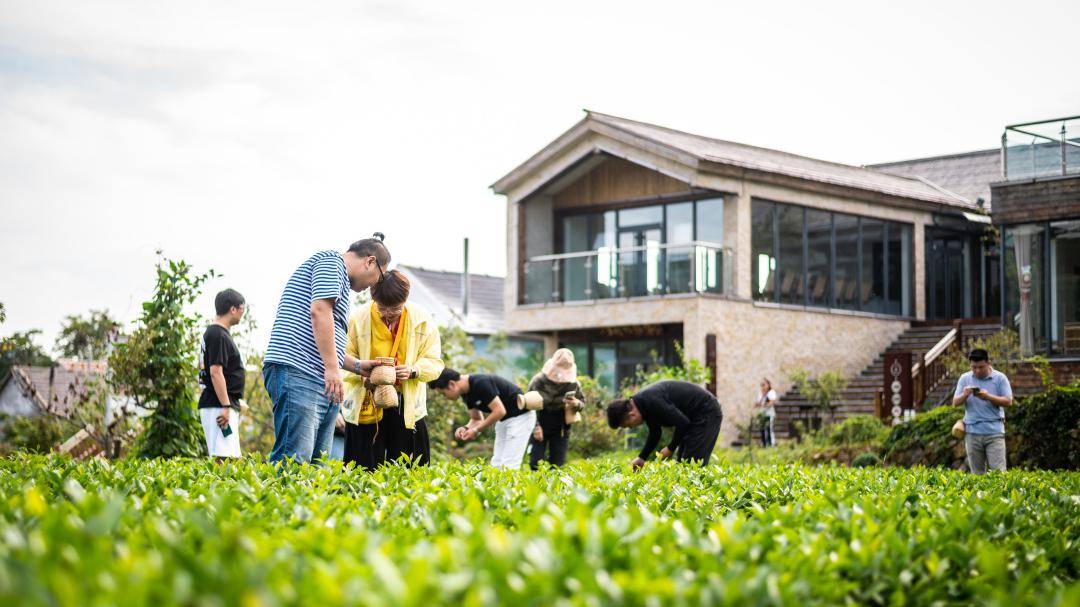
(555, 444)
(556, 439)
(370, 445)
(766, 431)
(700, 439)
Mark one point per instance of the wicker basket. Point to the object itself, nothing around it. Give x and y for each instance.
(386, 397)
(530, 401)
(383, 376)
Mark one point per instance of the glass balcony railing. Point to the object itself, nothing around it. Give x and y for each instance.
(1041, 149)
(608, 273)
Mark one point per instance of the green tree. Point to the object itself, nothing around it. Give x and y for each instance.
(822, 390)
(158, 366)
(89, 337)
(19, 348)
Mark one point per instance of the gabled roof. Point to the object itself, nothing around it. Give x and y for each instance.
(56, 389)
(968, 174)
(440, 293)
(701, 151)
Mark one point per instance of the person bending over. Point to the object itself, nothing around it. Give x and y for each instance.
(491, 400)
(691, 410)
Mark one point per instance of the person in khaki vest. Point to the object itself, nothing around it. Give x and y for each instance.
(390, 327)
(558, 384)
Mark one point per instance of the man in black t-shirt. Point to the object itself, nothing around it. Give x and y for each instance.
(222, 377)
(690, 409)
(490, 400)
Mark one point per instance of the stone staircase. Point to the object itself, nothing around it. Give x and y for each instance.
(858, 397)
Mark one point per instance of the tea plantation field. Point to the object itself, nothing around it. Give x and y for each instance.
(193, 533)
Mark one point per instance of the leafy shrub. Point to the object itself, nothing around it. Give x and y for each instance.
(865, 460)
(33, 434)
(191, 532)
(926, 440)
(858, 430)
(1043, 430)
(822, 390)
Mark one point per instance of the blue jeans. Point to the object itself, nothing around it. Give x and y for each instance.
(303, 416)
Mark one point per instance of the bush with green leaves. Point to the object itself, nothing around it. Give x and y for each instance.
(1044, 429)
(193, 532)
(30, 433)
(158, 367)
(858, 430)
(926, 440)
(1041, 431)
(865, 460)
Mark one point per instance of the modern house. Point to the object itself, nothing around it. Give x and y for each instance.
(624, 238)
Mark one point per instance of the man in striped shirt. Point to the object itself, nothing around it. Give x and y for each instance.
(302, 368)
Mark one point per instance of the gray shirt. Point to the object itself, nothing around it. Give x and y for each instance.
(982, 417)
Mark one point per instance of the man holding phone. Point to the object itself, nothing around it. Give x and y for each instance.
(221, 374)
(984, 392)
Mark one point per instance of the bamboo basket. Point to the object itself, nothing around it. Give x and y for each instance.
(383, 376)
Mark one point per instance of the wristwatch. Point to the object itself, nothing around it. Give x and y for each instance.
(356, 367)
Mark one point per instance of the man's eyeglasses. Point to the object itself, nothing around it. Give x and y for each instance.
(381, 274)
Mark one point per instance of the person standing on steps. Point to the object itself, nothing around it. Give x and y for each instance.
(765, 407)
(691, 410)
(302, 367)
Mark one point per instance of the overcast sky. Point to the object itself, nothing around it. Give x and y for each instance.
(243, 136)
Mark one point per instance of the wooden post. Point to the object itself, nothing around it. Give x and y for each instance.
(897, 385)
(710, 361)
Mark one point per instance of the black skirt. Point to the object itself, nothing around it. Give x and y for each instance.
(370, 445)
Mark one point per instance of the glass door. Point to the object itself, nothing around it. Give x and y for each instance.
(639, 270)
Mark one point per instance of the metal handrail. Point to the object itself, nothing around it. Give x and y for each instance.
(634, 249)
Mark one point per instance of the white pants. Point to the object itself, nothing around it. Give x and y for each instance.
(216, 444)
(511, 438)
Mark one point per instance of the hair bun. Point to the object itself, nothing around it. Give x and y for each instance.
(380, 236)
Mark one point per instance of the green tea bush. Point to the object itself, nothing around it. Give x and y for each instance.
(926, 440)
(1043, 430)
(865, 460)
(192, 532)
(858, 430)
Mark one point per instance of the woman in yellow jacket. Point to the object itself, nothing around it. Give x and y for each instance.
(390, 327)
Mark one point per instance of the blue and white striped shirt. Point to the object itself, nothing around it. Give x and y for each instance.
(292, 340)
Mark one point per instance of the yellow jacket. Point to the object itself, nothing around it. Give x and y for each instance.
(422, 352)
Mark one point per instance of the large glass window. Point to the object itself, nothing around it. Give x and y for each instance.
(761, 247)
(846, 278)
(1065, 287)
(872, 289)
(710, 221)
(818, 257)
(662, 259)
(789, 219)
(899, 270)
(680, 229)
(802, 255)
(575, 275)
(1025, 299)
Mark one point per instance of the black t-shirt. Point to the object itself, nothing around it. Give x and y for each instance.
(483, 389)
(219, 349)
(675, 404)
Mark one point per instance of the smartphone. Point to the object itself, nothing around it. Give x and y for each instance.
(226, 430)
(975, 390)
